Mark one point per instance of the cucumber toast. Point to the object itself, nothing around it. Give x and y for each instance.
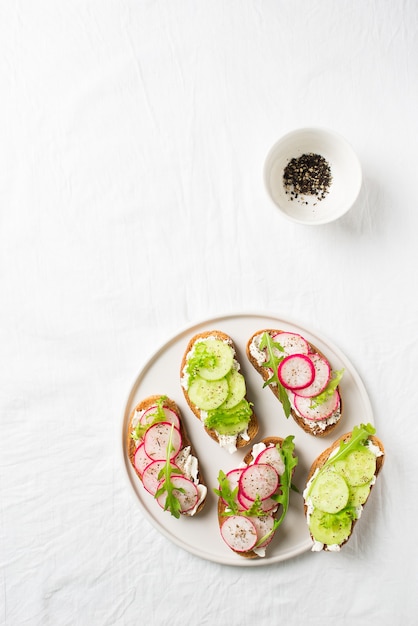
(253, 499)
(339, 485)
(215, 390)
(162, 456)
(300, 377)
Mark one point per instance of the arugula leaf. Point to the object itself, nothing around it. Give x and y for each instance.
(272, 363)
(290, 461)
(226, 494)
(358, 438)
(172, 503)
(329, 389)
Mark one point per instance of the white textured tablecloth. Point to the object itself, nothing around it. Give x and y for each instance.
(132, 141)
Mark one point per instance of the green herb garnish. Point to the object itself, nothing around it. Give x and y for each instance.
(357, 441)
(272, 363)
(286, 452)
(172, 503)
(226, 420)
(329, 389)
(156, 416)
(201, 357)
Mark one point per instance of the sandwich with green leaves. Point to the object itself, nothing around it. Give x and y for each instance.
(162, 456)
(253, 499)
(300, 377)
(339, 485)
(215, 390)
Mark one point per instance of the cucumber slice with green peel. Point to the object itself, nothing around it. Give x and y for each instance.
(331, 530)
(220, 359)
(358, 468)
(208, 394)
(358, 495)
(236, 389)
(329, 492)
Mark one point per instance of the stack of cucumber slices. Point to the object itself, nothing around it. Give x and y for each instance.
(336, 494)
(216, 387)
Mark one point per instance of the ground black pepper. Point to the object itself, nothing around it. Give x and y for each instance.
(307, 175)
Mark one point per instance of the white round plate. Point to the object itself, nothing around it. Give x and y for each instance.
(161, 375)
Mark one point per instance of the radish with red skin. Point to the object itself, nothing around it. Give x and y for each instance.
(292, 343)
(150, 478)
(271, 456)
(239, 533)
(149, 414)
(317, 412)
(296, 371)
(321, 379)
(141, 459)
(185, 491)
(264, 526)
(156, 440)
(259, 480)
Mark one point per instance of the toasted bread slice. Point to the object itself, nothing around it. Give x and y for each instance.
(247, 435)
(248, 459)
(319, 463)
(186, 450)
(318, 428)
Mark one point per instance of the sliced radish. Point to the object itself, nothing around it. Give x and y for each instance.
(264, 526)
(271, 456)
(150, 474)
(317, 412)
(321, 379)
(141, 459)
(156, 440)
(292, 343)
(258, 480)
(296, 371)
(149, 415)
(184, 490)
(239, 532)
(268, 505)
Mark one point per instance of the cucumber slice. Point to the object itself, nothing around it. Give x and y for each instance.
(236, 389)
(358, 468)
(359, 495)
(329, 492)
(208, 394)
(220, 363)
(329, 530)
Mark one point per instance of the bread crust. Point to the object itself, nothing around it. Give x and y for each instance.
(312, 428)
(252, 429)
(171, 404)
(324, 456)
(222, 506)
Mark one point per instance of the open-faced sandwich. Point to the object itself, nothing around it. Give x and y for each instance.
(301, 378)
(339, 485)
(253, 499)
(162, 456)
(215, 390)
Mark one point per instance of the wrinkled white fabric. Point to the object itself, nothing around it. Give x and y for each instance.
(132, 142)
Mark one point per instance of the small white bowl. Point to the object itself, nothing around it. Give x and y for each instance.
(345, 171)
